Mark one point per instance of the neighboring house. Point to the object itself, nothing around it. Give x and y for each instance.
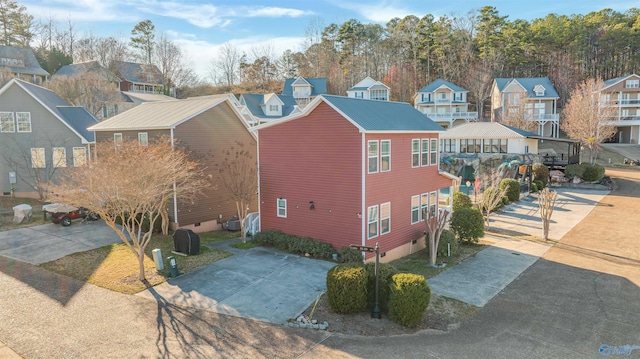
(623, 93)
(350, 171)
(88, 67)
(444, 103)
(369, 89)
(303, 90)
(537, 95)
(136, 77)
(23, 64)
(260, 108)
(207, 126)
(39, 132)
(488, 138)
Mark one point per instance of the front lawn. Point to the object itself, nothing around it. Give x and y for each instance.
(116, 268)
(6, 213)
(418, 263)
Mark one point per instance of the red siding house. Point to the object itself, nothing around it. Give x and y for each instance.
(351, 171)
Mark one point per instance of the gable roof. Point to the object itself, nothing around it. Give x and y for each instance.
(136, 72)
(439, 83)
(254, 103)
(367, 84)
(140, 97)
(614, 81)
(163, 114)
(318, 85)
(486, 130)
(529, 84)
(76, 118)
(84, 67)
(370, 115)
(26, 56)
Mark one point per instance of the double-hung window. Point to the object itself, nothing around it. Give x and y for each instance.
(385, 155)
(373, 156)
(79, 156)
(433, 203)
(424, 205)
(117, 139)
(434, 151)
(415, 209)
(7, 123)
(143, 138)
(425, 152)
(24, 121)
(415, 153)
(372, 220)
(59, 157)
(282, 207)
(37, 158)
(385, 218)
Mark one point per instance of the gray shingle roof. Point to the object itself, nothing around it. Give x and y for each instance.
(529, 83)
(617, 79)
(31, 65)
(76, 118)
(135, 72)
(373, 115)
(84, 67)
(318, 86)
(440, 82)
(486, 130)
(255, 101)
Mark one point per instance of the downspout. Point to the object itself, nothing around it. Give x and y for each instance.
(175, 194)
(259, 191)
(363, 171)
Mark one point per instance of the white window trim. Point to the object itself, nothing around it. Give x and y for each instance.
(13, 122)
(43, 159)
(424, 206)
(18, 121)
(413, 152)
(433, 148)
(389, 155)
(146, 140)
(632, 84)
(117, 138)
(414, 209)
(422, 152)
(369, 157)
(433, 195)
(59, 162)
(284, 201)
(375, 220)
(75, 158)
(383, 218)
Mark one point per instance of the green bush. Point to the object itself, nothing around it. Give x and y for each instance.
(446, 237)
(349, 255)
(540, 184)
(294, 244)
(534, 187)
(513, 188)
(461, 200)
(490, 192)
(593, 173)
(467, 224)
(385, 272)
(541, 173)
(347, 288)
(505, 200)
(408, 299)
(574, 170)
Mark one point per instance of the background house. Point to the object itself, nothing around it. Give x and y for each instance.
(533, 98)
(369, 89)
(303, 90)
(141, 78)
(261, 108)
(23, 64)
(207, 126)
(444, 103)
(351, 171)
(623, 93)
(39, 133)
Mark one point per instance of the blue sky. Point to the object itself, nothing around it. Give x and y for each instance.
(199, 27)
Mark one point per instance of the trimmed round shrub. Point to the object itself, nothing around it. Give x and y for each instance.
(534, 187)
(540, 184)
(593, 173)
(408, 299)
(347, 288)
(574, 170)
(461, 200)
(467, 224)
(505, 200)
(349, 255)
(540, 172)
(385, 272)
(446, 237)
(513, 188)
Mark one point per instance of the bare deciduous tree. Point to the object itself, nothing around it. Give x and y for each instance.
(435, 226)
(89, 90)
(225, 67)
(239, 178)
(492, 196)
(129, 184)
(546, 202)
(171, 62)
(516, 114)
(587, 118)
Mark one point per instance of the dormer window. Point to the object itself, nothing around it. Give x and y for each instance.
(273, 108)
(632, 84)
(539, 90)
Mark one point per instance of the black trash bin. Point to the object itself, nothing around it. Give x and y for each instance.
(186, 241)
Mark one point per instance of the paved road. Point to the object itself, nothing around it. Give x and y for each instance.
(582, 294)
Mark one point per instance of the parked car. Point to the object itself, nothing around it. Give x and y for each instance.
(65, 214)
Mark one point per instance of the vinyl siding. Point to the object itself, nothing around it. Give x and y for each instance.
(315, 158)
(397, 186)
(47, 131)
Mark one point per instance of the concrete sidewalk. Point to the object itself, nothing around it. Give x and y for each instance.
(479, 279)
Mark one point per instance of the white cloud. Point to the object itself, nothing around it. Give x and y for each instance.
(380, 12)
(77, 11)
(276, 12)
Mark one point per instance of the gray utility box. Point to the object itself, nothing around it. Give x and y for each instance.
(186, 241)
(233, 225)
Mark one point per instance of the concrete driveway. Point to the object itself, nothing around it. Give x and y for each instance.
(47, 242)
(260, 283)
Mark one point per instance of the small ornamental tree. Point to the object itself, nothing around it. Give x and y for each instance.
(128, 184)
(491, 200)
(468, 224)
(546, 201)
(435, 225)
(239, 179)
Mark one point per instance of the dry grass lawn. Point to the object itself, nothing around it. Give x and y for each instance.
(6, 213)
